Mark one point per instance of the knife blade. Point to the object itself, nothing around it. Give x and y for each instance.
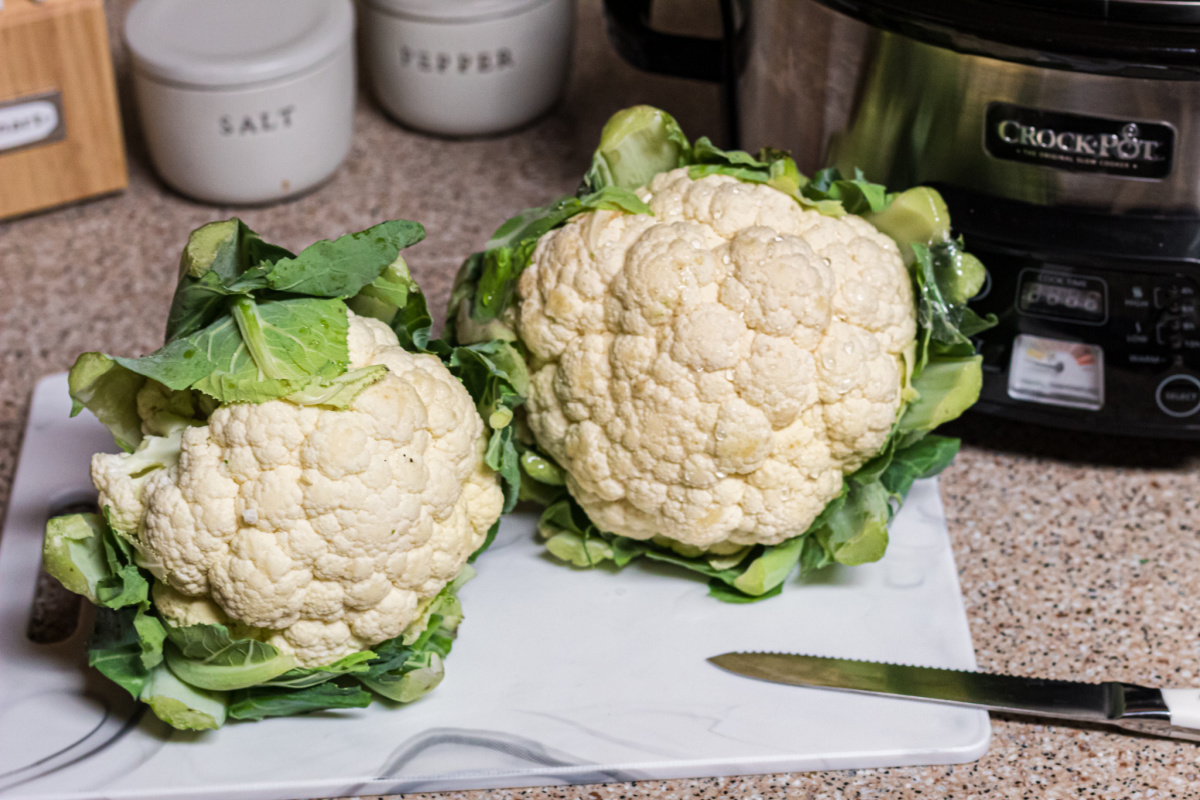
(1173, 713)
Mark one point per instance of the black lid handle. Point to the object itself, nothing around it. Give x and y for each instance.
(663, 53)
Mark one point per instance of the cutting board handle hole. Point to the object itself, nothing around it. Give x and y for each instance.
(55, 612)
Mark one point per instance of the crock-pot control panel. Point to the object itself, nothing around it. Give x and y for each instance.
(1112, 347)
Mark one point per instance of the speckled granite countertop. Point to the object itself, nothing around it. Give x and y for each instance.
(1079, 558)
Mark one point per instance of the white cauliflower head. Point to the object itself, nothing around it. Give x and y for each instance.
(327, 531)
(708, 374)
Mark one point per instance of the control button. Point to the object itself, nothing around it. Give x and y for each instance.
(1179, 396)
(1148, 360)
(1138, 297)
(987, 287)
(1139, 335)
(1166, 328)
(1174, 291)
(1165, 296)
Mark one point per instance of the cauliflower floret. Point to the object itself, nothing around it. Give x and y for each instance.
(709, 373)
(320, 531)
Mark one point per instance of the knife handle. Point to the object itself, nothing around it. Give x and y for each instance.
(1184, 707)
(1173, 713)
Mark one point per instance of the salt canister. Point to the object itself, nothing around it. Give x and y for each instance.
(244, 101)
(467, 67)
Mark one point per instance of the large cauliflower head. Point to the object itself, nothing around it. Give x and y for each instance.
(321, 531)
(708, 374)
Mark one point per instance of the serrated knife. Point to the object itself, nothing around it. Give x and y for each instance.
(1173, 713)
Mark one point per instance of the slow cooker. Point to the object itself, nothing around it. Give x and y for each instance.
(1065, 137)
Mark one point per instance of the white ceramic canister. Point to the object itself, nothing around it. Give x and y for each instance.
(244, 101)
(467, 67)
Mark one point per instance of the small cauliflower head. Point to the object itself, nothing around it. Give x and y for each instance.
(321, 531)
(708, 374)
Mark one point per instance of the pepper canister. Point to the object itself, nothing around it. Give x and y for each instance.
(244, 101)
(467, 67)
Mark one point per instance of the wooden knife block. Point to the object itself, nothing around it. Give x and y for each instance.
(60, 128)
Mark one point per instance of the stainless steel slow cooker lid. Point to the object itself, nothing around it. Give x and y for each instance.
(1158, 39)
(1129, 10)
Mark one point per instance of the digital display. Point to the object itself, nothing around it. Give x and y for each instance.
(1045, 297)
(1071, 298)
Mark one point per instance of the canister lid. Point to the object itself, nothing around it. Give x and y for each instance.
(222, 43)
(454, 10)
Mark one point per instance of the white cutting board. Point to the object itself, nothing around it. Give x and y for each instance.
(558, 675)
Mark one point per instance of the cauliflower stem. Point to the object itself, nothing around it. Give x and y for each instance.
(661, 190)
(195, 677)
